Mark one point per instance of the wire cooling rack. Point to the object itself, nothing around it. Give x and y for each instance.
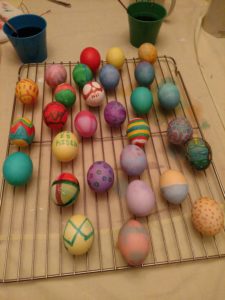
(31, 226)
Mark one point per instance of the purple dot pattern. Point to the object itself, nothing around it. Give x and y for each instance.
(115, 114)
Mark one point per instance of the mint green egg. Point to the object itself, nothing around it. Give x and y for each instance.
(141, 100)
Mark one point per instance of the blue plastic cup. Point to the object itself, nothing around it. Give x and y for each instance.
(30, 43)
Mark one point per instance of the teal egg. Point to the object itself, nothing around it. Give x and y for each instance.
(141, 100)
(82, 74)
(168, 95)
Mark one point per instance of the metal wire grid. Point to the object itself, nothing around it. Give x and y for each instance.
(31, 226)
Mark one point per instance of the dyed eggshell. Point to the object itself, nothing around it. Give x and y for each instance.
(114, 114)
(55, 115)
(22, 132)
(198, 153)
(65, 94)
(78, 235)
(93, 93)
(133, 160)
(134, 242)
(82, 74)
(179, 131)
(17, 168)
(141, 100)
(100, 177)
(144, 73)
(85, 123)
(115, 56)
(138, 132)
(65, 189)
(27, 91)
(140, 198)
(207, 216)
(91, 57)
(65, 146)
(147, 52)
(109, 77)
(173, 186)
(55, 74)
(168, 95)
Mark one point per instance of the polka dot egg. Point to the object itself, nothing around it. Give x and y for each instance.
(179, 131)
(138, 132)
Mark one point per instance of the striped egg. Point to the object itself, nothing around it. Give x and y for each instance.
(22, 132)
(138, 132)
(173, 186)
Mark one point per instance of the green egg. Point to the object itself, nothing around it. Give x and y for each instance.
(82, 74)
(141, 100)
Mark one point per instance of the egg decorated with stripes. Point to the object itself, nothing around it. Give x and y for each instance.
(22, 132)
(138, 132)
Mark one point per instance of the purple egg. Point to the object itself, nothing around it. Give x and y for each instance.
(179, 131)
(114, 113)
(100, 176)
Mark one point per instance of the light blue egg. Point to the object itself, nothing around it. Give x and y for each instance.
(168, 95)
(109, 77)
(144, 73)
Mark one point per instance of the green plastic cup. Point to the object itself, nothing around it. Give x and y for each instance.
(145, 20)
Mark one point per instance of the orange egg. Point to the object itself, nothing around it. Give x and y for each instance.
(147, 52)
(27, 91)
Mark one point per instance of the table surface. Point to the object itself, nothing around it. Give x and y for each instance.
(201, 60)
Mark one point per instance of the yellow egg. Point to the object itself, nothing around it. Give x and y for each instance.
(115, 56)
(65, 146)
(27, 91)
(147, 52)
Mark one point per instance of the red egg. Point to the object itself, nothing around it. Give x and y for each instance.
(85, 123)
(90, 57)
(55, 115)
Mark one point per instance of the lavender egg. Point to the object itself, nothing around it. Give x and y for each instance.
(179, 131)
(115, 114)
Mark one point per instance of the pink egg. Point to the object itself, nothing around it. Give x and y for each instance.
(55, 74)
(85, 123)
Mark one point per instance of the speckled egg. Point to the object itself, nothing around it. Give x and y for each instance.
(147, 52)
(115, 56)
(134, 242)
(207, 216)
(138, 132)
(27, 91)
(55, 115)
(91, 57)
(173, 186)
(133, 160)
(85, 123)
(198, 153)
(109, 77)
(65, 189)
(55, 74)
(65, 146)
(65, 94)
(168, 95)
(179, 131)
(78, 235)
(141, 100)
(93, 93)
(140, 198)
(100, 176)
(22, 132)
(115, 114)
(82, 74)
(144, 73)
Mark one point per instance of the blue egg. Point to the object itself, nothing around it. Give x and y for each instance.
(109, 77)
(168, 95)
(144, 73)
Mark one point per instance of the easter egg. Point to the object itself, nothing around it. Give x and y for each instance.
(168, 95)
(93, 93)
(140, 198)
(65, 94)
(133, 160)
(141, 100)
(85, 123)
(22, 132)
(173, 186)
(65, 189)
(82, 74)
(100, 176)
(207, 216)
(78, 235)
(144, 73)
(198, 153)
(55, 115)
(138, 132)
(147, 52)
(179, 131)
(91, 57)
(55, 74)
(114, 114)
(109, 77)
(27, 91)
(134, 242)
(65, 146)
(17, 168)
(115, 56)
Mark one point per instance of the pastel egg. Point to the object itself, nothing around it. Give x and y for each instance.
(65, 146)
(55, 115)
(78, 235)
(93, 93)
(140, 198)
(65, 94)
(109, 77)
(168, 95)
(147, 52)
(133, 160)
(82, 74)
(85, 123)
(55, 74)
(173, 186)
(91, 57)
(144, 73)
(207, 216)
(27, 91)
(138, 132)
(114, 113)
(134, 242)
(141, 100)
(100, 176)
(179, 131)
(22, 132)
(115, 56)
